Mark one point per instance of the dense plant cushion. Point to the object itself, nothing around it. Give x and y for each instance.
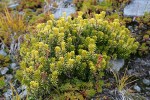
(70, 55)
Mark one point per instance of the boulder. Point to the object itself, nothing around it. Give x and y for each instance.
(137, 8)
(116, 65)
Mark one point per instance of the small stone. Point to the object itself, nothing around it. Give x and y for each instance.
(4, 70)
(147, 93)
(69, 10)
(68, 1)
(111, 92)
(137, 88)
(13, 66)
(22, 90)
(117, 64)
(23, 94)
(138, 60)
(101, 0)
(8, 94)
(2, 52)
(148, 88)
(146, 82)
(130, 72)
(8, 77)
(13, 6)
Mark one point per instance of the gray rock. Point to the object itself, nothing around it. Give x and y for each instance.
(137, 8)
(130, 72)
(146, 82)
(68, 1)
(137, 88)
(116, 65)
(23, 94)
(8, 77)
(13, 6)
(143, 62)
(13, 66)
(8, 94)
(131, 28)
(63, 6)
(2, 52)
(100, 0)
(4, 70)
(60, 11)
(22, 88)
(148, 88)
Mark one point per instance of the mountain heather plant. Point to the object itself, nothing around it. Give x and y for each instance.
(65, 58)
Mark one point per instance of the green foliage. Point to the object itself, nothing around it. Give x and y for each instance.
(144, 19)
(76, 90)
(32, 4)
(41, 18)
(144, 34)
(4, 61)
(113, 9)
(143, 49)
(67, 57)
(2, 6)
(90, 6)
(2, 82)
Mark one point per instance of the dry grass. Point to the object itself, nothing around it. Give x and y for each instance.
(121, 91)
(15, 95)
(123, 81)
(11, 24)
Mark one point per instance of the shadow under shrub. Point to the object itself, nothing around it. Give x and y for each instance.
(66, 58)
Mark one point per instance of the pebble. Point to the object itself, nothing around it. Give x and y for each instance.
(146, 82)
(23, 94)
(130, 72)
(8, 94)
(4, 70)
(22, 88)
(13, 66)
(8, 77)
(2, 52)
(148, 88)
(137, 88)
(117, 64)
(13, 6)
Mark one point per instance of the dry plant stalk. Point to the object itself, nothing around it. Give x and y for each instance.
(16, 95)
(11, 24)
(123, 81)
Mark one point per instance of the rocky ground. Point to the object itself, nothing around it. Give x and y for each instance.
(137, 90)
(140, 67)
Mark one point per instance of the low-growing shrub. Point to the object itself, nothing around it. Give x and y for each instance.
(66, 58)
(143, 35)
